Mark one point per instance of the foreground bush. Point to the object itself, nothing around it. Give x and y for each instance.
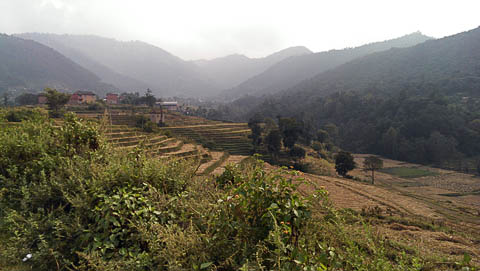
(72, 202)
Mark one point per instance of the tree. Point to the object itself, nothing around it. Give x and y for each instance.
(254, 125)
(372, 163)
(274, 142)
(440, 147)
(290, 129)
(150, 100)
(297, 153)
(390, 142)
(26, 99)
(322, 136)
(56, 100)
(344, 163)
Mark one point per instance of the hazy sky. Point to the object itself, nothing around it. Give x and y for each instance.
(194, 29)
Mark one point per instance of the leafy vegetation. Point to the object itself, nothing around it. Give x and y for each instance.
(56, 101)
(418, 104)
(72, 202)
(372, 163)
(344, 163)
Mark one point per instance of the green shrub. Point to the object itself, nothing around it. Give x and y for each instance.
(22, 114)
(145, 124)
(74, 203)
(96, 106)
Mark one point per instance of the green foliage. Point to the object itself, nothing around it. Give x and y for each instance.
(96, 106)
(297, 153)
(26, 99)
(144, 123)
(274, 142)
(150, 100)
(344, 162)
(55, 101)
(322, 136)
(23, 114)
(372, 163)
(264, 216)
(255, 125)
(74, 203)
(290, 130)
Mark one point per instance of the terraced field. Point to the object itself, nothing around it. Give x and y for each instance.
(126, 138)
(161, 146)
(230, 137)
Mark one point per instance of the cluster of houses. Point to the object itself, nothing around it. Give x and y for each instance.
(87, 97)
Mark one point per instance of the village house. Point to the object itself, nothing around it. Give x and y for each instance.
(42, 99)
(112, 98)
(172, 106)
(81, 97)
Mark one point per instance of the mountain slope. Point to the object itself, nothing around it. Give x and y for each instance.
(293, 70)
(449, 65)
(26, 64)
(231, 70)
(165, 73)
(418, 104)
(107, 75)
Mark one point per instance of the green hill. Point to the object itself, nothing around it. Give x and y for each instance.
(28, 65)
(293, 70)
(417, 104)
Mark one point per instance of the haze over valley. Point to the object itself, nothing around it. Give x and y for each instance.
(239, 135)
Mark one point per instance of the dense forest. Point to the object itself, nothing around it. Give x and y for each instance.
(418, 104)
(434, 129)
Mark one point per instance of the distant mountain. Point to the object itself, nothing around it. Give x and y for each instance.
(231, 70)
(450, 65)
(107, 75)
(132, 65)
(293, 70)
(416, 104)
(28, 65)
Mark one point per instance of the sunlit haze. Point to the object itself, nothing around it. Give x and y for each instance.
(193, 29)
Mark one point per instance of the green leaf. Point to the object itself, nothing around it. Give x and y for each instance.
(205, 265)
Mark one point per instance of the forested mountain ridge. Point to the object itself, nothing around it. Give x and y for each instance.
(165, 73)
(232, 70)
(450, 64)
(416, 104)
(29, 65)
(293, 70)
(107, 75)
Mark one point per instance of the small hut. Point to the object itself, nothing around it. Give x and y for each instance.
(156, 116)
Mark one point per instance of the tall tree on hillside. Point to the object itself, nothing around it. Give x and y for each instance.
(290, 129)
(56, 101)
(372, 163)
(150, 99)
(274, 142)
(297, 153)
(255, 125)
(344, 163)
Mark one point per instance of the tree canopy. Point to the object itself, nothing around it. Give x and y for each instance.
(344, 163)
(372, 163)
(56, 100)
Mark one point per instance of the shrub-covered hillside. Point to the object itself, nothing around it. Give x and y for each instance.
(69, 201)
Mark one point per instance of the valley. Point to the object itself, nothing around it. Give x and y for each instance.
(120, 155)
